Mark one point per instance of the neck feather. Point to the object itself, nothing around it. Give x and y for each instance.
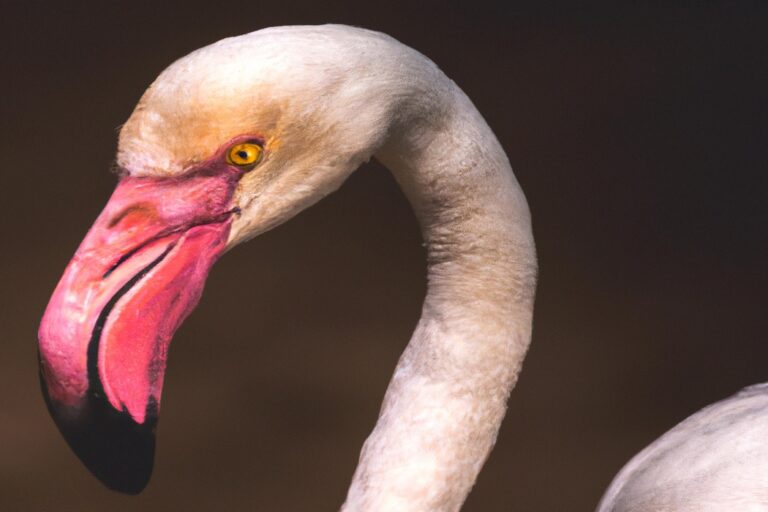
(448, 395)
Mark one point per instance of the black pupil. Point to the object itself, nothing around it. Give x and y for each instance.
(243, 154)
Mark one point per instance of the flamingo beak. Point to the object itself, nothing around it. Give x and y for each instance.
(105, 334)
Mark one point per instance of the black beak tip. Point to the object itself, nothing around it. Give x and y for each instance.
(116, 449)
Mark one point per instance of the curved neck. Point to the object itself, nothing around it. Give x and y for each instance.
(448, 395)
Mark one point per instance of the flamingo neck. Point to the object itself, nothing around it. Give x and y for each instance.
(447, 398)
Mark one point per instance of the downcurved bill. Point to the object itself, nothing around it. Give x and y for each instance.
(105, 334)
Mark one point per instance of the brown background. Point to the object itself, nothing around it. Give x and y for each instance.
(638, 134)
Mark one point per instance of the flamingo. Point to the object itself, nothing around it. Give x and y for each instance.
(238, 137)
(713, 461)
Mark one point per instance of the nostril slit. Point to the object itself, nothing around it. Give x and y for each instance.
(144, 208)
(168, 232)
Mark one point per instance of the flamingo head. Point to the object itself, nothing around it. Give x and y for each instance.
(228, 142)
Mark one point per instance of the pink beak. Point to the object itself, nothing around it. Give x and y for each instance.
(105, 334)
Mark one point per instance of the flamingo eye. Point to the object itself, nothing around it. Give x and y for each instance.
(245, 154)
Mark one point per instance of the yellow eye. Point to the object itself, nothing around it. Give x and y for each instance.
(247, 153)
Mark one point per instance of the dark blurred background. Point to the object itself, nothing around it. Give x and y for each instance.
(638, 131)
